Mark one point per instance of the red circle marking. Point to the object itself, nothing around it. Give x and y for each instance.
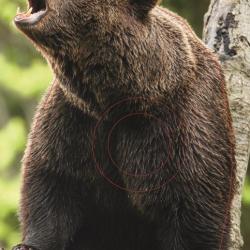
(98, 166)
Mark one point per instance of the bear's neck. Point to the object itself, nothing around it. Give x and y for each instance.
(91, 85)
(107, 72)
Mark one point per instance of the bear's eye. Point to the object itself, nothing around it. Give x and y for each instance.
(37, 5)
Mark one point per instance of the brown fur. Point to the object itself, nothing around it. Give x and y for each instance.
(142, 60)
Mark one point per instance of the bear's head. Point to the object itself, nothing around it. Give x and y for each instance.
(66, 25)
(96, 47)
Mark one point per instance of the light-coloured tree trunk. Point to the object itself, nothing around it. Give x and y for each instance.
(227, 32)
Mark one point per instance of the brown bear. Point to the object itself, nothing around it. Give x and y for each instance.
(132, 146)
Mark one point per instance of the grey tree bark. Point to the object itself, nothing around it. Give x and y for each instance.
(227, 32)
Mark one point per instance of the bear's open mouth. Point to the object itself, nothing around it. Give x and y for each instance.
(36, 10)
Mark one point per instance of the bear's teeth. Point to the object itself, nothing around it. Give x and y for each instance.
(29, 11)
(18, 10)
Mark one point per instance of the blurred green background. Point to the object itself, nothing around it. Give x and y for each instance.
(23, 77)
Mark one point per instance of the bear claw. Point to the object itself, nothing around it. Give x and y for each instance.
(22, 247)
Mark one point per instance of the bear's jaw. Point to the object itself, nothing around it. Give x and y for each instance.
(37, 9)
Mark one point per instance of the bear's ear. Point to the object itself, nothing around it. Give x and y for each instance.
(144, 6)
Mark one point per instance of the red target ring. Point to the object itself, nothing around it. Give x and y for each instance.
(99, 166)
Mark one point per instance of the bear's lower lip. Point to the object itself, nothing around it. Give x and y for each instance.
(22, 19)
(37, 9)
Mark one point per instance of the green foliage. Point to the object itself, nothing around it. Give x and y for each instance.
(9, 195)
(31, 80)
(23, 77)
(246, 192)
(192, 10)
(12, 142)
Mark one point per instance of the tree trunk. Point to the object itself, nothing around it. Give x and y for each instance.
(227, 32)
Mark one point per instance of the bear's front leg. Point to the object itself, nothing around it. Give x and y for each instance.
(55, 190)
(185, 196)
(51, 211)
